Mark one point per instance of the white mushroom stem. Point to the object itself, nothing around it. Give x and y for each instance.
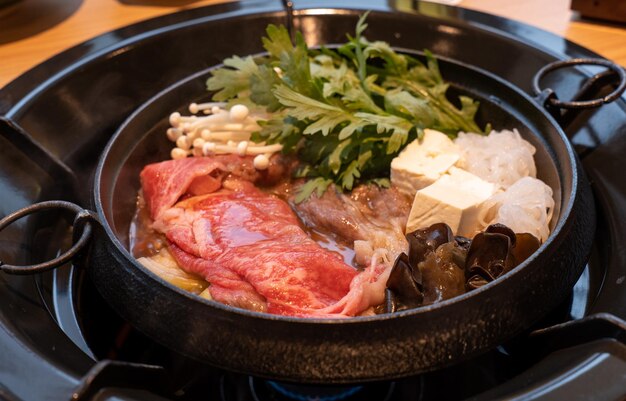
(242, 147)
(183, 142)
(176, 119)
(219, 131)
(261, 162)
(251, 127)
(178, 153)
(212, 122)
(193, 135)
(198, 143)
(259, 150)
(230, 127)
(196, 107)
(205, 134)
(215, 122)
(239, 112)
(216, 126)
(223, 136)
(250, 149)
(173, 134)
(206, 121)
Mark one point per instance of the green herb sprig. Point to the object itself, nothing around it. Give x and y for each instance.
(346, 112)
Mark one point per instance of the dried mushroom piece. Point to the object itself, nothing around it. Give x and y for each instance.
(433, 251)
(488, 258)
(424, 241)
(404, 285)
(525, 245)
(440, 266)
(463, 242)
(443, 273)
(494, 252)
(501, 229)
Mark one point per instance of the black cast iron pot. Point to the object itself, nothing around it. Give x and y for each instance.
(325, 350)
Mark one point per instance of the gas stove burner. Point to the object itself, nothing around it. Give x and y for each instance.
(268, 390)
(317, 393)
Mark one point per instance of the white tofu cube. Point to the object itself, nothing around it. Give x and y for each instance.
(421, 163)
(454, 199)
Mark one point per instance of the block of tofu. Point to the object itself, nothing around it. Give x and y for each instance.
(455, 199)
(423, 161)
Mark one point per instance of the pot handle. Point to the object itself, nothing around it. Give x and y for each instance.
(82, 229)
(547, 97)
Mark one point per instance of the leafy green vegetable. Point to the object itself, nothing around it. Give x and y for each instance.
(345, 112)
(233, 82)
(317, 185)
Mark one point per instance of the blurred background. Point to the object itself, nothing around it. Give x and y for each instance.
(32, 31)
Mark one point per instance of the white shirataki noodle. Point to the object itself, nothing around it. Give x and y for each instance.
(501, 157)
(525, 207)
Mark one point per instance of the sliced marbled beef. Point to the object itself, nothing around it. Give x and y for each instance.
(251, 248)
(166, 182)
(369, 217)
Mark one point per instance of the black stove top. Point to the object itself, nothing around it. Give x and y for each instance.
(59, 340)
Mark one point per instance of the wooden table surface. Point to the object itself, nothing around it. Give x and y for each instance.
(31, 31)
